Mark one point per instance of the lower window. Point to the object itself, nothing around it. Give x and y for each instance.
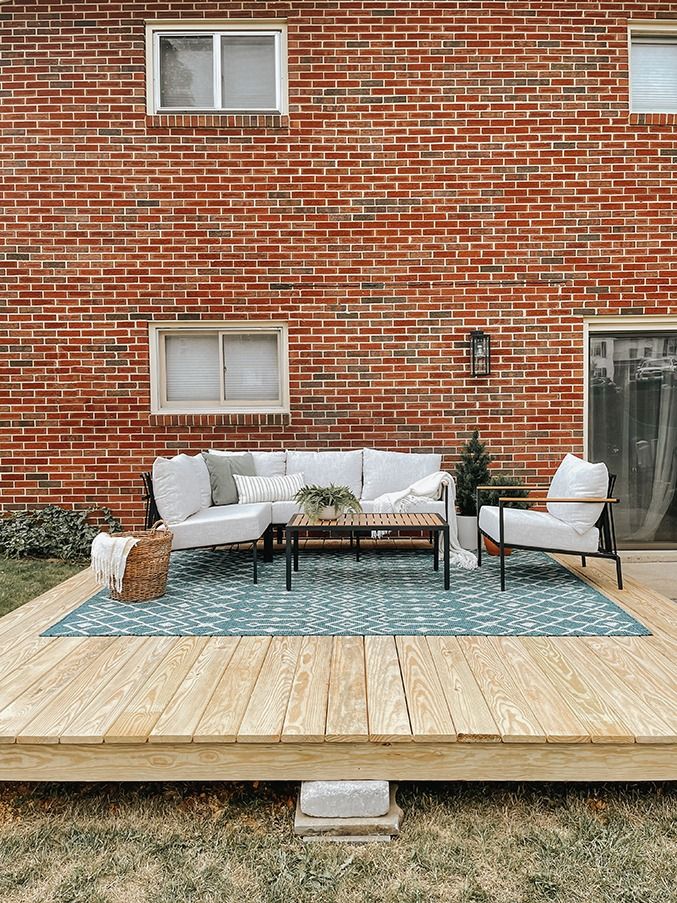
(632, 417)
(233, 368)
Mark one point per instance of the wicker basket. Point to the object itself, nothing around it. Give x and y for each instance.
(147, 565)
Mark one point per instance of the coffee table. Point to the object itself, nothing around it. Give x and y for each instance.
(354, 524)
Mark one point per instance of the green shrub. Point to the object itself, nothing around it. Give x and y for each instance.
(503, 478)
(472, 471)
(52, 532)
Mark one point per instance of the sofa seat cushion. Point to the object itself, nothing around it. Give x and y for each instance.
(574, 479)
(387, 471)
(420, 506)
(178, 487)
(537, 529)
(222, 524)
(321, 468)
(283, 511)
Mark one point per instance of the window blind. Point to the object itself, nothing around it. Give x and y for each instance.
(251, 367)
(653, 74)
(249, 72)
(192, 364)
(186, 69)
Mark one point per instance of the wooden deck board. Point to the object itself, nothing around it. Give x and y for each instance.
(318, 707)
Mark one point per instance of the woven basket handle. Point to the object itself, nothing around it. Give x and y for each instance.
(158, 524)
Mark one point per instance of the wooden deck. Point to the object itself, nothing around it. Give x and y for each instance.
(294, 708)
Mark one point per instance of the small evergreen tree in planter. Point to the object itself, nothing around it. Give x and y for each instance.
(471, 471)
(326, 502)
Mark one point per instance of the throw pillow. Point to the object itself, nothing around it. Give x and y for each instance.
(176, 488)
(268, 489)
(221, 469)
(576, 478)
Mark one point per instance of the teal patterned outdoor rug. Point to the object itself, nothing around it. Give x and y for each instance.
(387, 592)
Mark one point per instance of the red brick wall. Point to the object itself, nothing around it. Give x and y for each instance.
(445, 166)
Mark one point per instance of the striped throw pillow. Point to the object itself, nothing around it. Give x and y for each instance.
(268, 489)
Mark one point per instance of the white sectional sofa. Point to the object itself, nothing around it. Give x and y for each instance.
(179, 491)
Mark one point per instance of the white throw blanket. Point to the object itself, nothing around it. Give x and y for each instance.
(430, 488)
(109, 558)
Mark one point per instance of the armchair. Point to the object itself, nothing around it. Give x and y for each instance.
(578, 520)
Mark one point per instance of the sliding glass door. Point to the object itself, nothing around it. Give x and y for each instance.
(632, 427)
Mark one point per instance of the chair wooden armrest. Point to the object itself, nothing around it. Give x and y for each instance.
(596, 501)
(522, 486)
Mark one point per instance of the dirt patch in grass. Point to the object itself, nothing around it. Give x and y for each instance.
(23, 580)
(461, 843)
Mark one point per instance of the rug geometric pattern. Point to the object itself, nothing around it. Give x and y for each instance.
(389, 592)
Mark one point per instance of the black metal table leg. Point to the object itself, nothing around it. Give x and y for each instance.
(446, 556)
(357, 546)
(436, 550)
(287, 550)
(296, 550)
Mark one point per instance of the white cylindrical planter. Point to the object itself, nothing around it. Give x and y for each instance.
(467, 531)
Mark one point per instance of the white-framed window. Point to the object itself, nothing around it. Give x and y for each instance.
(653, 67)
(218, 67)
(219, 368)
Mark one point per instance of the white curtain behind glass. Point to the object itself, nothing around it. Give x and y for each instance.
(252, 367)
(653, 70)
(192, 364)
(248, 72)
(186, 71)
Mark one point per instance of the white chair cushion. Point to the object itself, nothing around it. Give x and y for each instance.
(267, 489)
(386, 471)
(177, 488)
(222, 524)
(537, 529)
(320, 468)
(576, 478)
(266, 464)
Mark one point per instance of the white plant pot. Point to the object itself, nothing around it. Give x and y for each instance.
(328, 513)
(467, 531)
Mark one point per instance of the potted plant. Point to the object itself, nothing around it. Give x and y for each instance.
(471, 471)
(491, 498)
(326, 502)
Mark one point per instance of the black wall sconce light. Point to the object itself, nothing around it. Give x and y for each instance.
(480, 353)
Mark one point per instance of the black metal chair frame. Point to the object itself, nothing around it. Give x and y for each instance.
(607, 547)
(152, 515)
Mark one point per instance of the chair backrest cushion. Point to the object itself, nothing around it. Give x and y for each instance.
(321, 468)
(176, 488)
(576, 478)
(387, 471)
(266, 464)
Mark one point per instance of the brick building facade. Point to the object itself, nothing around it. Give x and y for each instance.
(442, 167)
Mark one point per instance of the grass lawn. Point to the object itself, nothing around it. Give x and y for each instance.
(217, 843)
(461, 843)
(21, 581)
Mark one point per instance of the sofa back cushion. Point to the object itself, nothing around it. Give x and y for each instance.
(266, 464)
(576, 478)
(386, 471)
(321, 468)
(202, 477)
(221, 469)
(268, 489)
(176, 487)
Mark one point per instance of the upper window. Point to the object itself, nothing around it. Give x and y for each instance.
(229, 68)
(653, 68)
(234, 368)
